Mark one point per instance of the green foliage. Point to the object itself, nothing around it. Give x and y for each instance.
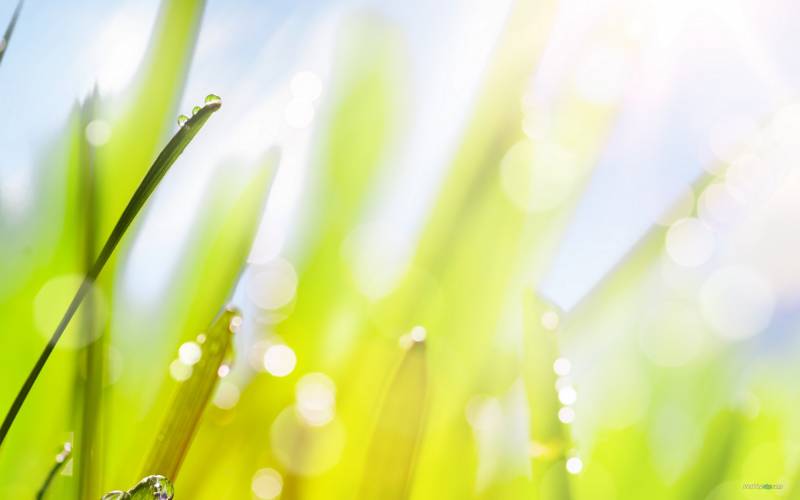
(472, 412)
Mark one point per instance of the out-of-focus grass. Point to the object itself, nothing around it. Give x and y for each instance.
(496, 421)
(182, 417)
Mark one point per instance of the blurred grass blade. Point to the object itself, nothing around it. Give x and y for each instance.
(183, 417)
(88, 435)
(214, 254)
(150, 488)
(716, 457)
(61, 459)
(159, 168)
(10, 30)
(147, 110)
(392, 455)
(546, 430)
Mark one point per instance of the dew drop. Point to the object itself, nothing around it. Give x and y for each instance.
(195, 110)
(213, 99)
(235, 324)
(65, 453)
(182, 119)
(158, 487)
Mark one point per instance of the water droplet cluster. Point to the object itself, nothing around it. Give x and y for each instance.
(211, 99)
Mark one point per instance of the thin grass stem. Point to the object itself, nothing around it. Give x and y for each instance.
(160, 166)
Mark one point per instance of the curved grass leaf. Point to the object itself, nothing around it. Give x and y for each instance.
(392, 455)
(144, 114)
(159, 168)
(61, 459)
(183, 417)
(10, 29)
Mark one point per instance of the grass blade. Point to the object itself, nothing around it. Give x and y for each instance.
(190, 401)
(159, 168)
(61, 459)
(88, 436)
(10, 30)
(392, 456)
(547, 431)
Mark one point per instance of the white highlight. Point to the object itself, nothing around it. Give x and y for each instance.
(190, 353)
(280, 360)
(574, 465)
(267, 484)
(690, 242)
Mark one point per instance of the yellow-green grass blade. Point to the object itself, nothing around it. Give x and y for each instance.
(144, 115)
(158, 169)
(716, 457)
(183, 417)
(365, 112)
(392, 455)
(214, 255)
(61, 459)
(471, 242)
(551, 442)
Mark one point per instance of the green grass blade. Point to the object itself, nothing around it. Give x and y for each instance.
(547, 431)
(61, 459)
(716, 456)
(88, 434)
(10, 30)
(144, 114)
(392, 455)
(159, 168)
(214, 254)
(192, 397)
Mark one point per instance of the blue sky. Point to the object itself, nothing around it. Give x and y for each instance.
(713, 63)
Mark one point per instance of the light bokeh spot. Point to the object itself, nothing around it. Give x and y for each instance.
(690, 242)
(316, 398)
(280, 360)
(226, 395)
(272, 285)
(98, 132)
(180, 371)
(267, 484)
(737, 302)
(52, 300)
(574, 465)
(190, 353)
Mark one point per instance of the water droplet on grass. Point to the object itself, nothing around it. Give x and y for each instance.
(213, 99)
(195, 110)
(182, 119)
(158, 487)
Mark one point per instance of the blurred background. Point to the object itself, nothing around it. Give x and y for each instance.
(482, 249)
